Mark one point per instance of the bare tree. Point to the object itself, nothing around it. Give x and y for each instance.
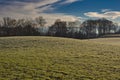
(59, 28)
(41, 21)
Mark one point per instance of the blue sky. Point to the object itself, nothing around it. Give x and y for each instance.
(68, 10)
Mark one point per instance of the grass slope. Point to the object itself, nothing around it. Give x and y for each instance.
(47, 58)
(107, 41)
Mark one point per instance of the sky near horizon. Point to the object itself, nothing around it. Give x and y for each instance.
(67, 10)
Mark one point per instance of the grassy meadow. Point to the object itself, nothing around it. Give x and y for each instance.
(52, 58)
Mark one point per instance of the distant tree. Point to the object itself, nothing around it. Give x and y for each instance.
(89, 28)
(59, 28)
(41, 21)
(71, 32)
(20, 27)
(29, 29)
(9, 22)
(94, 28)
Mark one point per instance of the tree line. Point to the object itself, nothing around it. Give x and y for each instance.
(29, 27)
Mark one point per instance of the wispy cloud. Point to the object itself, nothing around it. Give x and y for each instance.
(69, 1)
(33, 8)
(105, 10)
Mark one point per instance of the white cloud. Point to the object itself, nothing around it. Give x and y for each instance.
(70, 1)
(107, 14)
(19, 9)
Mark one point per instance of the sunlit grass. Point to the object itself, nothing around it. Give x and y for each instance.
(50, 58)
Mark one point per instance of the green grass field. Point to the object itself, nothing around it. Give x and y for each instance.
(50, 58)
